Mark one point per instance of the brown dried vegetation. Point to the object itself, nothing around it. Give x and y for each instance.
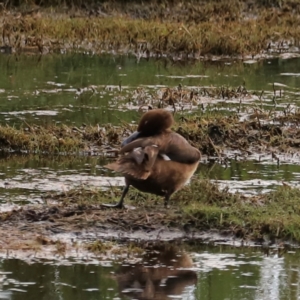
(178, 29)
(211, 133)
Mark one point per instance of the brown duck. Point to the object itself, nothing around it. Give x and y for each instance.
(143, 158)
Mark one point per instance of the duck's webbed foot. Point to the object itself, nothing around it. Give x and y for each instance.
(118, 205)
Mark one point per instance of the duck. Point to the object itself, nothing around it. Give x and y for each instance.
(154, 128)
(155, 159)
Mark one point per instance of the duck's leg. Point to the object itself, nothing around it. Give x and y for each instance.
(120, 204)
(167, 197)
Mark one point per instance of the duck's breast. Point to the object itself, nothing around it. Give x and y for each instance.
(166, 177)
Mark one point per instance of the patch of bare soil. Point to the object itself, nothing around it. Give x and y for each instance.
(74, 231)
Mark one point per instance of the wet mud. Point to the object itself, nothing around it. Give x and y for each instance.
(67, 229)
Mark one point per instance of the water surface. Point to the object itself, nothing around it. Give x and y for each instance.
(77, 88)
(201, 272)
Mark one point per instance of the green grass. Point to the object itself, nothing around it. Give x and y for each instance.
(276, 214)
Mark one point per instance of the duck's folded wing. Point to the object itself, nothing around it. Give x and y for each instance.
(141, 142)
(172, 144)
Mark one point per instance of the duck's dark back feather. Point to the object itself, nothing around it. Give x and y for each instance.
(175, 146)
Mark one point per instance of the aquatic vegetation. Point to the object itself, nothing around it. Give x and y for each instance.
(58, 139)
(184, 98)
(212, 132)
(99, 247)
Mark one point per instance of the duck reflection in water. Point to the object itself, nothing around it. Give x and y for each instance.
(162, 272)
(155, 159)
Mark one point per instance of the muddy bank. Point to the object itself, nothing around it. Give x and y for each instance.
(74, 222)
(35, 233)
(83, 233)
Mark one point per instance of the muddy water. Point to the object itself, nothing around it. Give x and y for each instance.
(199, 273)
(25, 179)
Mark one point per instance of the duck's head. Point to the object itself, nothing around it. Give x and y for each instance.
(151, 123)
(155, 121)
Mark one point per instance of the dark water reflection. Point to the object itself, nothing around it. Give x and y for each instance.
(200, 273)
(46, 280)
(162, 273)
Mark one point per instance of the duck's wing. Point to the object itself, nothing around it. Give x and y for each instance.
(172, 144)
(178, 149)
(140, 142)
(138, 163)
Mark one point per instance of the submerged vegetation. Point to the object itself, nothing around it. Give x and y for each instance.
(179, 29)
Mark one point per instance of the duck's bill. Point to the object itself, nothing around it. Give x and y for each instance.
(131, 138)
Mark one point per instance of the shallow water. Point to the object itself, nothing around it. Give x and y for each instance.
(79, 88)
(201, 272)
(25, 179)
